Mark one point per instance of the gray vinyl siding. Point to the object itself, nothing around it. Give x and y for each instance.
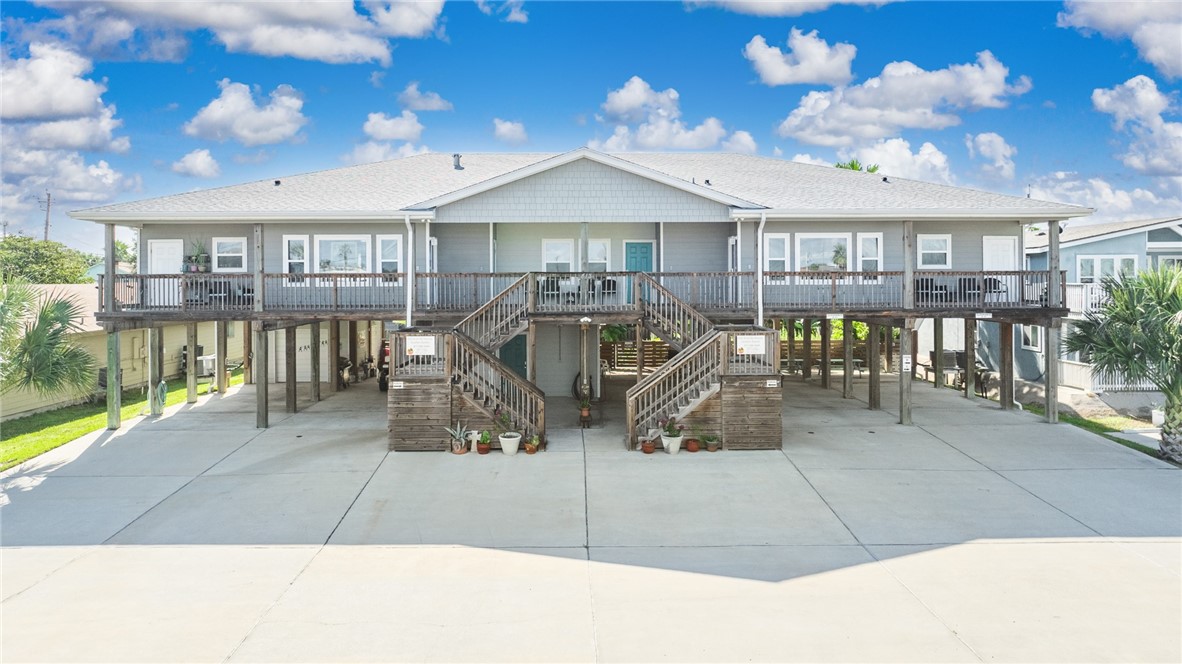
(462, 247)
(1163, 235)
(557, 358)
(580, 191)
(967, 240)
(519, 246)
(697, 247)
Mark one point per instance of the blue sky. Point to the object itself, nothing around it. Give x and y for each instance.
(109, 101)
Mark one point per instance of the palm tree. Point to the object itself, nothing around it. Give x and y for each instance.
(1137, 336)
(855, 165)
(36, 352)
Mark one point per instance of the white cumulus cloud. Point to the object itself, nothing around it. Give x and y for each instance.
(780, 7)
(372, 151)
(1155, 27)
(647, 119)
(1137, 106)
(894, 157)
(405, 127)
(334, 31)
(903, 96)
(412, 99)
(49, 85)
(95, 133)
(234, 115)
(802, 158)
(1110, 202)
(740, 141)
(198, 163)
(510, 132)
(993, 147)
(809, 60)
(513, 10)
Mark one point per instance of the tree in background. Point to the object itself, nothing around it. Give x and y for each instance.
(36, 351)
(855, 165)
(125, 253)
(1137, 336)
(44, 262)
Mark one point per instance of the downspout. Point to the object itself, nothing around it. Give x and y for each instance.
(739, 245)
(410, 272)
(492, 243)
(428, 268)
(759, 269)
(661, 241)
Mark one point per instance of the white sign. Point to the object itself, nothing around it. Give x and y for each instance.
(906, 362)
(834, 316)
(420, 344)
(398, 385)
(984, 315)
(772, 382)
(750, 344)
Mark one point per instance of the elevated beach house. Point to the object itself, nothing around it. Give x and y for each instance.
(502, 265)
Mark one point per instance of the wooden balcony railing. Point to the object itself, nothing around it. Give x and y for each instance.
(710, 293)
(1082, 298)
(667, 316)
(502, 317)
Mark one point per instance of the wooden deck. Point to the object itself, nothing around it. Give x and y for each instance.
(614, 295)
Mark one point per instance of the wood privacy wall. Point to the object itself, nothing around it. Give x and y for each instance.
(745, 414)
(421, 410)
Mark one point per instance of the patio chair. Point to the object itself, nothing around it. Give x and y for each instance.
(550, 289)
(926, 290)
(968, 289)
(608, 288)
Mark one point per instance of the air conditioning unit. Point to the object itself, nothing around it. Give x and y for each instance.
(206, 365)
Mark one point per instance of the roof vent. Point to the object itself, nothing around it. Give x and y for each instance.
(884, 179)
(456, 157)
(278, 182)
(707, 181)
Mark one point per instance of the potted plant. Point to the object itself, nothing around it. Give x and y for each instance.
(671, 434)
(484, 443)
(510, 439)
(585, 407)
(459, 438)
(647, 446)
(712, 443)
(694, 442)
(532, 445)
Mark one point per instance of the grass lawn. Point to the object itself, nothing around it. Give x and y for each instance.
(24, 438)
(1103, 426)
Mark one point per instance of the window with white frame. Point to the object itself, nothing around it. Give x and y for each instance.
(1032, 338)
(229, 254)
(775, 255)
(1093, 269)
(343, 253)
(599, 254)
(933, 252)
(390, 256)
(1169, 261)
(295, 258)
(823, 252)
(869, 255)
(558, 255)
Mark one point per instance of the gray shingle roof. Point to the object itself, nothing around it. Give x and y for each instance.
(386, 187)
(1075, 233)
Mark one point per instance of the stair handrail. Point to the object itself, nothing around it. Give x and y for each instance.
(492, 322)
(697, 366)
(510, 394)
(668, 316)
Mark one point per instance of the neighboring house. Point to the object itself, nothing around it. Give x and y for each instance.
(96, 271)
(1088, 254)
(133, 351)
(515, 255)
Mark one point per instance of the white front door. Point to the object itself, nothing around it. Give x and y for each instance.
(164, 257)
(999, 252)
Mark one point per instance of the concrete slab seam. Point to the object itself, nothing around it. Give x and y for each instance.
(354, 501)
(1022, 488)
(182, 487)
(271, 607)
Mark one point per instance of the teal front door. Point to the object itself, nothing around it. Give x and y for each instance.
(638, 257)
(513, 354)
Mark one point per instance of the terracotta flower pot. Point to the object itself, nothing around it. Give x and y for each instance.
(712, 446)
(648, 447)
(483, 448)
(692, 444)
(530, 448)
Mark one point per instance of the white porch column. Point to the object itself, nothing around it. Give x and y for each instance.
(410, 272)
(759, 269)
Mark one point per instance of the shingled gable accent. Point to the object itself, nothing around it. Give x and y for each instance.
(591, 155)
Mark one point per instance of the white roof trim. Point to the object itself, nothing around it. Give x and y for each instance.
(1168, 223)
(261, 217)
(1025, 215)
(574, 155)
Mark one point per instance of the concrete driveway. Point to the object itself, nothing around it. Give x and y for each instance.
(976, 535)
